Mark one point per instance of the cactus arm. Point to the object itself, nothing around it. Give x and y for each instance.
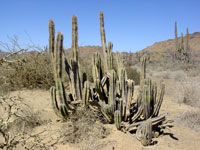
(160, 100)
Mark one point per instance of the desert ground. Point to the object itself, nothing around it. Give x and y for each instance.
(182, 134)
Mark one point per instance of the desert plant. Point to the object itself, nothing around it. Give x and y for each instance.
(111, 92)
(16, 119)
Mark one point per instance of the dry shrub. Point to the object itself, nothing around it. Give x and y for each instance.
(16, 119)
(190, 119)
(188, 92)
(33, 71)
(84, 126)
(175, 75)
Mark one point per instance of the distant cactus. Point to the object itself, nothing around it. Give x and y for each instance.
(182, 53)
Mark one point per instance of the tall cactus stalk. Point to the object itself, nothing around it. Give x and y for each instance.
(62, 108)
(143, 70)
(86, 94)
(110, 56)
(129, 95)
(74, 45)
(72, 68)
(176, 37)
(103, 39)
(112, 87)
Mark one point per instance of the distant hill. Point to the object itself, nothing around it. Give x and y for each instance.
(85, 51)
(164, 49)
(159, 51)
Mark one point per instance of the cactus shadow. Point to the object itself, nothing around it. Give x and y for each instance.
(171, 135)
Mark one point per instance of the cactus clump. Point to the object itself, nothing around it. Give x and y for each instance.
(111, 92)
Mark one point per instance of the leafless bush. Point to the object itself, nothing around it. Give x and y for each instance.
(30, 70)
(178, 75)
(34, 72)
(188, 92)
(190, 119)
(16, 119)
(84, 126)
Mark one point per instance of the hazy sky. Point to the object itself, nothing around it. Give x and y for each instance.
(130, 24)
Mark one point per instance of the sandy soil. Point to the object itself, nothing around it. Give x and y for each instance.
(178, 137)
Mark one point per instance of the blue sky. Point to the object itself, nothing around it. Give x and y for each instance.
(131, 25)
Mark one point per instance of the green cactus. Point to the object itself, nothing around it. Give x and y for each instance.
(123, 89)
(103, 39)
(86, 94)
(143, 70)
(147, 98)
(144, 133)
(72, 67)
(56, 51)
(112, 86)
(129, 95)
(110, 56)
(96, 67)
(117, 119)
(159, 99)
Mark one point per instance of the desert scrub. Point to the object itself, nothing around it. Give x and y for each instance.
(188, 92)
(84, 126)
(33, 71)
(17, 118)
(190, 119)
(133, 74)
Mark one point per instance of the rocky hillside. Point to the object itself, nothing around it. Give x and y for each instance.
(160, 51)
(165, 49)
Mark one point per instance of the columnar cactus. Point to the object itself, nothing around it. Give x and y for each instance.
(72, 68)
(112, 88)
(117, 119)
(129, 96)
(103, 39)
(144, 132)
(110, 56)
(62, 108)
(86, 94)
(143, 69)
(111, 92)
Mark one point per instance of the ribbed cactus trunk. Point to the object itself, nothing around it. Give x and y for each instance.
(123, 90)
(112, 88)
(143, 70)
(110, 56)
(72, 69)
(176, 38)
(103, 39)
(97, 67)
(62, 107)
(129, 96)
